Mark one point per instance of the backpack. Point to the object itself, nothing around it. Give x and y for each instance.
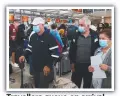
(71, 32)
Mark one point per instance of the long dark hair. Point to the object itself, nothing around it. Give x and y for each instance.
(62, 26)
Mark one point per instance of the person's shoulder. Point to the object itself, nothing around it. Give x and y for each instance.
(32, 35)
(69, 26)
(78, 34)
(48, 34)
(49, 37)
(93, 33)
(75, 26)
(98, 50)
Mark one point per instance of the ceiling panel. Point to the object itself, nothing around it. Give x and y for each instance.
(61, 13)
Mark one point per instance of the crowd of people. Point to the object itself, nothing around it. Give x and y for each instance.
(43, 44)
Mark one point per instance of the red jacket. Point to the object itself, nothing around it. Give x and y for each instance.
(12, 32)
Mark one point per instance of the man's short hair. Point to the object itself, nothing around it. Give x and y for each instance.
(54, 26)
(87, 20)
(73, 20)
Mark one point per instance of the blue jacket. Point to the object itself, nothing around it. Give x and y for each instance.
(57, 36)
(46, 30)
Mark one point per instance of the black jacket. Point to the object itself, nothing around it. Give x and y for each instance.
(43, 49)
(20, 35)
(73, 45)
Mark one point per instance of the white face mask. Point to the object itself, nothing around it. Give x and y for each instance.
(25, 23)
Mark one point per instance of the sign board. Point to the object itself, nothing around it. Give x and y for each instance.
(95, 10)
(87, 11)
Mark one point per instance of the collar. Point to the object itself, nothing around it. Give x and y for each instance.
(54, 30)
(100, 49)
(87, 36)
(41, 34)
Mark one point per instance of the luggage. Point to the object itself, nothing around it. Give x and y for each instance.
(62, 82)
(64, 65)
(26, 85)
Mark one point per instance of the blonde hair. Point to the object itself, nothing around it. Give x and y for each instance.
(61, 32)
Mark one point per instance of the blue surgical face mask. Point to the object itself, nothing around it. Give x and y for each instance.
(81, 29)
(103, 43)
(36, 29)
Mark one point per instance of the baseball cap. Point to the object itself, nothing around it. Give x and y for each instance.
(38, 20)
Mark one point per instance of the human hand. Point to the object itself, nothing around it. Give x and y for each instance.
(91, 69)
(21, 59)
(73, 68)
(46, 70)
(104, 67)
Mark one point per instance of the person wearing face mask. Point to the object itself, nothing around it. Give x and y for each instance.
(105, 53)
(81, 49)
(43, 48)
